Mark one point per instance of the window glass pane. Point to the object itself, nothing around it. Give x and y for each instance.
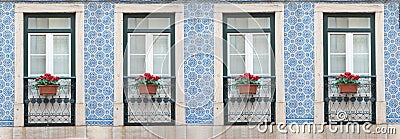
(49, 23)
(161, 64)
(361, 43)
(361, 63)
(261, 44)
(38, 64)
(160, 44)
(237, 44)
(148, 23)
(137, 44)
(38, 44)
(248, 23)
(348, 22)
(137, 63)
(237, 64)
(338, 63)
(61, 64)
(61, 44)
(261, 64)
(338, 43)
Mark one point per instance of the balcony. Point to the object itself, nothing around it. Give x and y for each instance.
(146, 109)
(49, 110)
(248, 109)
(343, 108)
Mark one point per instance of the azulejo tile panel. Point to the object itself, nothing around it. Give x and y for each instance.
(98, 65)
(392, 65)
(299, 61)
(7, 63)
(199, 63)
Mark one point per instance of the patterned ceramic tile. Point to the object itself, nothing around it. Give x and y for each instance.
(7, 63)
(199, 63)
(392, 64)
(99, 57)
(299, 61)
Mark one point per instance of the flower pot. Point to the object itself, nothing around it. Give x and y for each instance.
(348, 88)
(48, 89)
(247, 88)
(148, 88)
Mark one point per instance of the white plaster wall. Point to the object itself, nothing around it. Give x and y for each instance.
(179, 132)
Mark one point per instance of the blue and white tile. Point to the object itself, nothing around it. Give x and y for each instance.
(199, 63)
(299, 62)
(99, 56)
(392, 65)
(7, 63)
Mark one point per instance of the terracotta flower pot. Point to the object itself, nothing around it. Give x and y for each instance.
(148, 88)
(247, 88)
(48, 89)
(348, 88)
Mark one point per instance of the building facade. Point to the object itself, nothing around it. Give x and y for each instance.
(197, 48)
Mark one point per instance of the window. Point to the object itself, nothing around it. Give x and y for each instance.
(49, 44)
(248, 44)
(149, 52)
(49, 47)
(148, 47)
(248, 48)
(349, 46)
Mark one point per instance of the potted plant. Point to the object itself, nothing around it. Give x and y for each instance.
(247, 83)
(347, 82)
(47, 84)
(147, 83)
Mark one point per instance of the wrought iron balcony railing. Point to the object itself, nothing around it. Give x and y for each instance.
(49, 110)
(242, 109)
(147, 109)
(358, 107)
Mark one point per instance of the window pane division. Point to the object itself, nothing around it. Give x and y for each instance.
(49, 23)
(261, 55)
(61, 54)
(349, 52)
(348, 22)
(249, 52)
(148, 23)
(149, 52)
(237, 60)
(137, 54)
(361, 52)
(248, 23)
(337, 53)
(161, 56)
(37, 53)
(49, 53)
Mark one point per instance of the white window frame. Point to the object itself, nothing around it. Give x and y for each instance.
(249, 52)
(378, 11)
(349, 51)
(149, 53)
(49, 53)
